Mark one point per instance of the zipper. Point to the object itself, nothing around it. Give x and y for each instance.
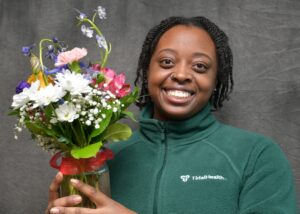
(158, 178)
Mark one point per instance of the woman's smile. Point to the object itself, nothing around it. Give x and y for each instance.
(177, 96)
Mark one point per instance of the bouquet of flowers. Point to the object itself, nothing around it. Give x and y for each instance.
(73, 108)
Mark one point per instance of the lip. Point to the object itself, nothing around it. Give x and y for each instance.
(177, 100)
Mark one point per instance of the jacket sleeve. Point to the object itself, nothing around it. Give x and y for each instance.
(268, 184)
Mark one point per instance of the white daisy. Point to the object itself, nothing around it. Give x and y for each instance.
(66, 112)
(45, 96)
(75, 83)
(22, 98)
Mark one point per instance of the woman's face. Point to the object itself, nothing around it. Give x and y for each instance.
(182, 72)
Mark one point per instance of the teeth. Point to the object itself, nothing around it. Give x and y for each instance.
(179, 94)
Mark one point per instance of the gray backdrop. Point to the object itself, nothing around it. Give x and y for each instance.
(265, 38)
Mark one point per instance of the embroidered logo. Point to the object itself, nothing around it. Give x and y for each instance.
(184, 178)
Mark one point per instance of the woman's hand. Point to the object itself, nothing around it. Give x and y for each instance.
(103, 203)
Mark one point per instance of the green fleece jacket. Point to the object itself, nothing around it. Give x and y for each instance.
(201, 166)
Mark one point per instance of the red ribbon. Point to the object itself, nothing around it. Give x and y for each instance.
(72, 166)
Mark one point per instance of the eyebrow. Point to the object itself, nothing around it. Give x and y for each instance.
(196, 54)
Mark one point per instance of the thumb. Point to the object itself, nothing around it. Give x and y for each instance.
(54, 186)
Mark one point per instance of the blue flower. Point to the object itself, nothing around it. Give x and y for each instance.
(60, 46)
(81, 16)
(55, 40)
(61, 101)
(26, 50)
(50, 53)
(55, 70)
(101, 42)
(82, 65)
(21, 86)
(87, 31)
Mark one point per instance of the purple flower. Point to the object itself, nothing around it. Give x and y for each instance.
(50, 53)
(26, 50)
(61, 101)
(55, 40)
(55, 70)
(59, 46)
(21, 86)
(81, 16)
(101, 42)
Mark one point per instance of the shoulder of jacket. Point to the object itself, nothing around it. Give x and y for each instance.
(117, 147)
(231, 133)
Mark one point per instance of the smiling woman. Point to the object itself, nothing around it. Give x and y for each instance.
(182, 160)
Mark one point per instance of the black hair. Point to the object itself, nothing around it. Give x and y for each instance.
(224, 57)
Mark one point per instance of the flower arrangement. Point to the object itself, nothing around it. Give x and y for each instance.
(73, 108)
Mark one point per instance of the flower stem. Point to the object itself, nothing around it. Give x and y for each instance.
(100, 34)
(41, 57)
(94, 16)
(83, 134)
(78, 138)
(59, 124)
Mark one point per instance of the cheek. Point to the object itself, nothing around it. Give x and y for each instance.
(206, 84)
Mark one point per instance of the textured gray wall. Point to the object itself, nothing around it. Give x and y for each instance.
(265, 38)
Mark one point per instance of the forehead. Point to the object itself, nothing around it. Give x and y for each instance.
(190, 39)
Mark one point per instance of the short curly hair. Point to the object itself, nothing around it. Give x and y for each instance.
(224, 84)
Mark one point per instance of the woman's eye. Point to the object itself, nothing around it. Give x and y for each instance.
(166, 63)
(199, 67)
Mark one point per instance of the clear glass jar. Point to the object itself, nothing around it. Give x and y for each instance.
(99, 179)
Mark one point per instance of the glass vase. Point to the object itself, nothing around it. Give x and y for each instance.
(99, 179)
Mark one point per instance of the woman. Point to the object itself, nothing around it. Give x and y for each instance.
(182, 160)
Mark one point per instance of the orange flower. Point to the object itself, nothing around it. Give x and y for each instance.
(32, 78)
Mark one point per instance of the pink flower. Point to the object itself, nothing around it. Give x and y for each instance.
(114, 83)
(70, 56)
(96, 67)
(118, 87)
(109, 75)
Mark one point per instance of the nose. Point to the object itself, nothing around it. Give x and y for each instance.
(181, 75)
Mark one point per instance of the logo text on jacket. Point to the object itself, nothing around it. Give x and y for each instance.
(186, 178)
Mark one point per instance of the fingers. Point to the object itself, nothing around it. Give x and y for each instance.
(54, 199)
(72, 210)
(97, 197)
(54, 186)
(68, 201)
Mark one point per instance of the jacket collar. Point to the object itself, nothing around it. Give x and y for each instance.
(200, 126)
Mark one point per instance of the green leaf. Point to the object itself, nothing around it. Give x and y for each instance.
(48, 112)
(117, 132)
(103, 124)
(75, 67)
(63, 139)
(87, 151)
(100, 78)
(37, 128)
(130, 98)
(129, 114)
(62, 146)
(14, 112)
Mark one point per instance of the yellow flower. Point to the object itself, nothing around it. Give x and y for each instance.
(40, 76)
